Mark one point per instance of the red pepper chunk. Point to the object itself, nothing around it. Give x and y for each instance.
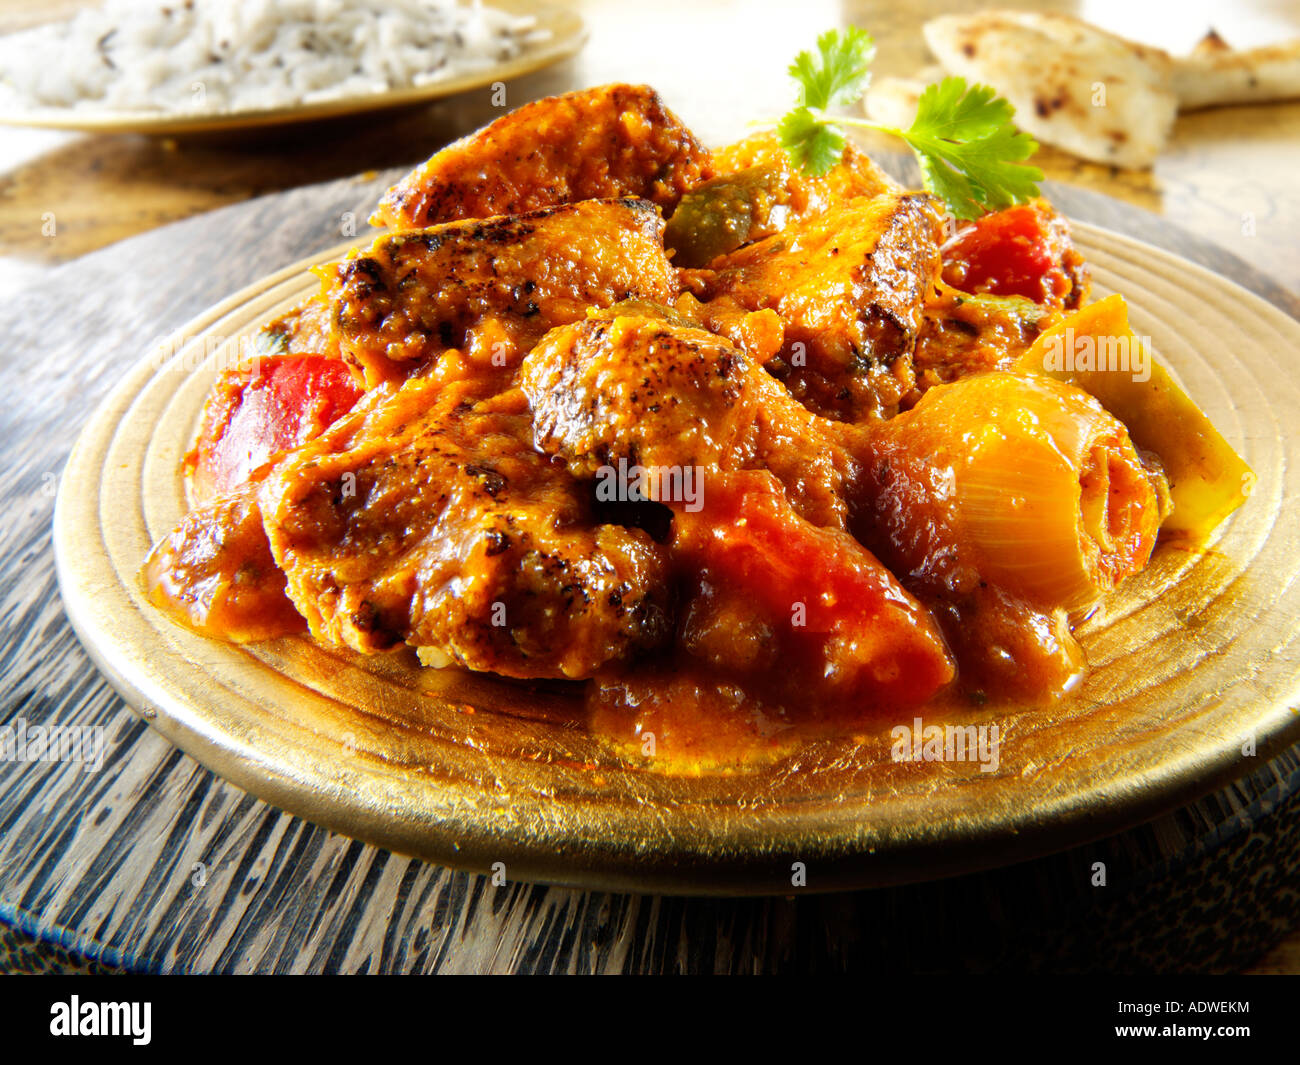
(259, 410)
(1022, 251)
(846, 640)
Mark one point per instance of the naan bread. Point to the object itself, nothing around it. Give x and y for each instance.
(1096, 95)
(1215, 74)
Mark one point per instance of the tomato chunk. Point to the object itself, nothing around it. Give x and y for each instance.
(260, 409)
(807, 606)
(1022, 251)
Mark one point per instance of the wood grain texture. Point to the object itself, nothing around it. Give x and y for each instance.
(154, 863)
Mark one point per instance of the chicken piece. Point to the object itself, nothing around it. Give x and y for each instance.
(850, 284)
(774, 587)
(649, 389)
(493, 288)
(426, 516)
(610, 141)
(656, 391)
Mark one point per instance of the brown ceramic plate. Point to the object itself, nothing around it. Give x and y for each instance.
(567, 35)
(1192, 662)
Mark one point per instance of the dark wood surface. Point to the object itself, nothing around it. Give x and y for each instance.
(153, 863)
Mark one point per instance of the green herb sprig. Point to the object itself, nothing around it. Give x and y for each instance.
(971, 156)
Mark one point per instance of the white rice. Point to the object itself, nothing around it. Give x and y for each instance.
(201, 56)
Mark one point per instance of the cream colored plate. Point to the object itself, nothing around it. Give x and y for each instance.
(1193, 661)
(567, 35)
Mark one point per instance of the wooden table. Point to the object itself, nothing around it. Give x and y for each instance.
(156, 863)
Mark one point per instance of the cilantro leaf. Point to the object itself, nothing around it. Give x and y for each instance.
(838, 74)
(949, 110)
(971, 155)
(812, 144)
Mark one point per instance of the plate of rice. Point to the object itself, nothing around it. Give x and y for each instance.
(178, 66)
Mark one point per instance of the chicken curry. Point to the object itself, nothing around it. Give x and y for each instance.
(733, 449)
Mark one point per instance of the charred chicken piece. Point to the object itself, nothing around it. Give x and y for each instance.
(850, 285)
(427, 517)
(655, 391)
(492, 288)
(606, 142)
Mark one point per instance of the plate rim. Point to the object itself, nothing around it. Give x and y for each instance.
(1014, 840)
